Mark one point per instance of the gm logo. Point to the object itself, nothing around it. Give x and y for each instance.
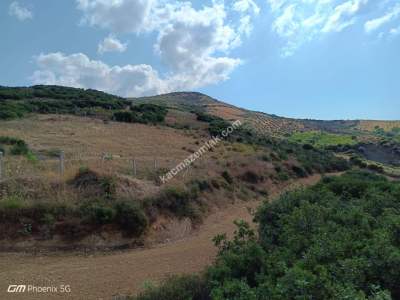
(12, 288)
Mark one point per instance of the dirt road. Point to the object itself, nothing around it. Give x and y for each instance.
(102, 276)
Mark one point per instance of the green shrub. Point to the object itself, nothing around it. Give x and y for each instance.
(177, 288)
(11, 203)
(251, 177)
(217, 126)
(202, 185)
(227, 176)
(93, 185)
(299, 171)
(177, 201)
(203, 117)
(376, 168)
(131, 217)
(20, 148)
(143, 113)
(358, 162)
(97, 212)
(265, 157)
(125, 116)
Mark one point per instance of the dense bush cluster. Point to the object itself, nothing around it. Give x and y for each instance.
(204, 117)
(17, 102)
(337, 240)
(143, 113)
(54, 92)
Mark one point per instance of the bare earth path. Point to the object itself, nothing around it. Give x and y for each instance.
(102, 276)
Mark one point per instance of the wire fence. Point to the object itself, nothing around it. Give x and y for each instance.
(64, 166)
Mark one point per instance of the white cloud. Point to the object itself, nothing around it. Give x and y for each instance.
(376, 23)
(343, 15)
(117, 15)
(78, 70)
(20, 12)
(189, 42)
(111, 44)
(245, 6)
(394, 31)
(193, 43)
(300, 21)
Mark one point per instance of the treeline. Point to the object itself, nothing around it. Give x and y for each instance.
(54, 92)
(17, 102)
(337, 240)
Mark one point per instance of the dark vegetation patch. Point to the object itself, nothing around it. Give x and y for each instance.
(143, 113)
(14, 146)
(335, 126)
(385, 153)
(17, 102)
(93, 203)
(336, 240)
(176, 201)
(392, 135)
(252, 177)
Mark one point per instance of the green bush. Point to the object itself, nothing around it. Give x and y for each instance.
(177, 288)
(131, 217)
(20, 148)
(227, 176)
(180, 202)
(143, 113)
(216, 127)
(98, 212)
(252, 177)
(299, 171)
(203, 117)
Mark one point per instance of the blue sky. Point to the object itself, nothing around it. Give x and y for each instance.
(324, 59)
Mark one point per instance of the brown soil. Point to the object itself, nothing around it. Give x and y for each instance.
(101, 276)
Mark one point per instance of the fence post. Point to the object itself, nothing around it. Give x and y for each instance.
(1, 166)
(134, 167)
(62, 158)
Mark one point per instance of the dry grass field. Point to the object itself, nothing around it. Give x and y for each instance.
(371, 125)
(87, 141)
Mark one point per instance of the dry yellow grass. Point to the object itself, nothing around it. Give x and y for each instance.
(370, 125)
(226, 112)
(88, 137)
(86, 140)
